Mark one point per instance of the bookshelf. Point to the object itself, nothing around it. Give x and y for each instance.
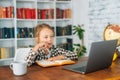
(18, 19)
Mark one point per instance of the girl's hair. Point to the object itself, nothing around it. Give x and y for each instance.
(39, 27)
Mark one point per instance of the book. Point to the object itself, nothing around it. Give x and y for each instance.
(39, 13)
(33, 13)
(0, 33)
(28, 13)
(4, 53)
(46, 63)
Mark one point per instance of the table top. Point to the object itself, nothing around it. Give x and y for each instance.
(36, 72)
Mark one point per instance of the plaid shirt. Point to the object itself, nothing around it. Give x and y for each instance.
(40, 55)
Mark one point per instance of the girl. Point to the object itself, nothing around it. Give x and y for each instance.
(43, 50)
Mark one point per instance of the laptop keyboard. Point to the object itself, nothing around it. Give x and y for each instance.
(82, 68)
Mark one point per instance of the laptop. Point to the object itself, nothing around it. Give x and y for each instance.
(100, 57)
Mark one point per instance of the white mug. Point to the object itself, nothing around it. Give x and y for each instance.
(19, 68)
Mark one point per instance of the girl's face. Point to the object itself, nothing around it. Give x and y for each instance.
(47, 36)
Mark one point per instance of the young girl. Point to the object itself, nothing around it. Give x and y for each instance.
(43, 50)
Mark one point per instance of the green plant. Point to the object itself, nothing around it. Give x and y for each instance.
(79, 47)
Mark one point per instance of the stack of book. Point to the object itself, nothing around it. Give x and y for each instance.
(26, 13)
(45, 13)
(64, 30)
(63, 13)
(6, 32)
(6, 52)
(25, 32)
(7, 12)
(68, 45)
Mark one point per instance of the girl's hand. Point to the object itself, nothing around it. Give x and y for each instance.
(43, 46)
(56, 58)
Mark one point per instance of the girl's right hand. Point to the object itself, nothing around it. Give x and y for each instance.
(44, 46)
(41, 45)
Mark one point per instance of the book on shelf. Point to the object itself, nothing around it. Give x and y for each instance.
(7, 12)
(58, 10)
(12, 32)
(63, 13)
(64, 30)
(3, 12)
(45, 13)
(22, 10)
(25, 32)
(33, 13)
(68, 45)
(50, 13)
(6, 32)
(0, 33)
(69, 13)
(26, 13)
(38, 14)
(6, 52)
(46, 63)
(11, 12)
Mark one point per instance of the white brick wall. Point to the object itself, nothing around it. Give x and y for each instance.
(100, 13)
(95, 15)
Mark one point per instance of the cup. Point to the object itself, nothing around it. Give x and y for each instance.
(19, 68)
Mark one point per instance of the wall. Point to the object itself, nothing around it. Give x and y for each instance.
(95, 15)
(80, 16)
(101, 13)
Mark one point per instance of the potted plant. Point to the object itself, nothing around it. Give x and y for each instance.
(79, 47)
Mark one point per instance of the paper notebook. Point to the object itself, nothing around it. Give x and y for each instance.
(45, 63)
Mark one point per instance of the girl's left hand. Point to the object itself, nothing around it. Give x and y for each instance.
(56, 58)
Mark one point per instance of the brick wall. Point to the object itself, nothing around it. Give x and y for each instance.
(100, 13)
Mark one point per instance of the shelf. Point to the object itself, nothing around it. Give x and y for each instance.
(26, 0)
(7, 39)
(23, 22)
(45, 20)
(63, 2)
(7, 43)
(6, 19)
(26, 19)
(64, 37)
(25, 39)
(64, 19)
(45, 1)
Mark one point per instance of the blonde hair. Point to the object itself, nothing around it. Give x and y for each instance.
(39, 27)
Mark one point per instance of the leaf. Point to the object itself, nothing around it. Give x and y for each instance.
(79, 48)
(75, 32)
(77, 44)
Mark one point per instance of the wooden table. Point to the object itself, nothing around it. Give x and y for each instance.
(36, 72)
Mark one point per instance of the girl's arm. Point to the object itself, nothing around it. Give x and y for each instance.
(30, 58)
(64, 54)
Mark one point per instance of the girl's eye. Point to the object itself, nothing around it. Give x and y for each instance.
(52, 36)
(46, 37)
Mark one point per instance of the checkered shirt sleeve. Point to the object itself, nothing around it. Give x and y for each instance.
(40, 55)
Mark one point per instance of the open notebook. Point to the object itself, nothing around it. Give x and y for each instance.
(45, 63)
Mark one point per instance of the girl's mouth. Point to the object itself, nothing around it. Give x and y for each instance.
(49, 45)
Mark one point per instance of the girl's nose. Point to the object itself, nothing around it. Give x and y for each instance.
(49, 39)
